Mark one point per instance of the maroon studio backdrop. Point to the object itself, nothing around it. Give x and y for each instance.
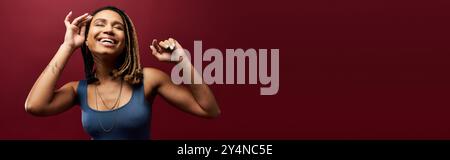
(349, 69)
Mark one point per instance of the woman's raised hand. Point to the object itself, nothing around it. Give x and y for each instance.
(164, 50)
(75, 30)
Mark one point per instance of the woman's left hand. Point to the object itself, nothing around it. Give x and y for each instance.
(164, 49)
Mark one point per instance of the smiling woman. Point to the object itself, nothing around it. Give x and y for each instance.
(116, 96)
(106, 44)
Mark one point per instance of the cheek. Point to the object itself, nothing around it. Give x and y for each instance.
(90, 40)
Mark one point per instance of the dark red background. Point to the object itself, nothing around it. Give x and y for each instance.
(349, 69)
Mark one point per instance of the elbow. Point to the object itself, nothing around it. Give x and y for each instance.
(214, 114)
(34, 110)
(217, 113)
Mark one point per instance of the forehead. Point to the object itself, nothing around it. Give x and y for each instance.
(108, 15)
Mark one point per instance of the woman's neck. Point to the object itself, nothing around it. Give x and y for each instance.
(103, 71)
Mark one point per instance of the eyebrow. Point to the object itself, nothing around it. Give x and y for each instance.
(104, 20)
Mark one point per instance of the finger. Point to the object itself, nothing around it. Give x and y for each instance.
(167, 44)
(156, 46)
(162, 44)
(89, 17)
(152, 47)
(153, 50)
(77, 20)
(85, 21)
(83, 30)
(172, 43)
(154, 42)
(66, 20)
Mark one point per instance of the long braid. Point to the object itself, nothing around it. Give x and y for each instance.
(131, 67)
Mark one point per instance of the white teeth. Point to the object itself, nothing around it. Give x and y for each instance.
(107, 40)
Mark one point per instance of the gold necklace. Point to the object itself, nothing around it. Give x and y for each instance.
(101, 98)
(114, 106)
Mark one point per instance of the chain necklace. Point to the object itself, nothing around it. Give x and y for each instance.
(110, 108)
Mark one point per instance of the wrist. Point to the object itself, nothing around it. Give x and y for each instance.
(67, 47)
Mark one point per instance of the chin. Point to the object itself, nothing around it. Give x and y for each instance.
(100, 50)
(107, 52)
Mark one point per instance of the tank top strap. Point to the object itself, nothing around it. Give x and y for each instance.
(82, 91)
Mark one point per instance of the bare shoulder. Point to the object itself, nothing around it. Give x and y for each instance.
(71, 85)
(154, 75)
(153, 78)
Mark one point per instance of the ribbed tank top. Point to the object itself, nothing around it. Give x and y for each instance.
(131, 121)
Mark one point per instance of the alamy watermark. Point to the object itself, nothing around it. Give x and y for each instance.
(258, 63)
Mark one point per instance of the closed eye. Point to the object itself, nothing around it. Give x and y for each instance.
(99, 24)
(119, 28)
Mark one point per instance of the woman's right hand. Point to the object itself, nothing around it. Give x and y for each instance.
(75, 31)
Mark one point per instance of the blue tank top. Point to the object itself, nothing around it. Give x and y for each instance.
(131, 121)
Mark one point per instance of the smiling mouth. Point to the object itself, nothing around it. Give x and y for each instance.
(107, 42)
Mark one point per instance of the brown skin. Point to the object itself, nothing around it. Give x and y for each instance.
(45, 100)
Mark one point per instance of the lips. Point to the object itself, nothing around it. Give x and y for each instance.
(107, 41)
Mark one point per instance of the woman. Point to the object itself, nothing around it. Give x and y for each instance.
(117, 94)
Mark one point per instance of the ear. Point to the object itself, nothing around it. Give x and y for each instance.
(86, 42)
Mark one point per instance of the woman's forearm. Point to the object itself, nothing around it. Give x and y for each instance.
(43, 89)
(201, 92)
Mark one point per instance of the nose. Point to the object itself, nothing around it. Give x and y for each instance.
(108, 29)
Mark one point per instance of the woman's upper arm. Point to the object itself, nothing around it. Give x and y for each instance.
(63, 99)
(177, 95)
